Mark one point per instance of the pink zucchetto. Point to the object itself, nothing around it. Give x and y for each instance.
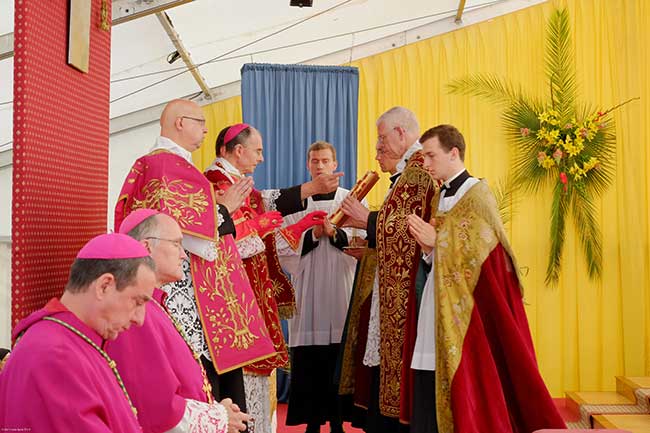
(135, 218)
(112, 246)
(234, 130)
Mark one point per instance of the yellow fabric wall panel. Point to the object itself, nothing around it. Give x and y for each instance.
(217, 116)
(585, 332)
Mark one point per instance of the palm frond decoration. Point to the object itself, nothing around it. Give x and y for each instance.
(504, 195)
(557, 143)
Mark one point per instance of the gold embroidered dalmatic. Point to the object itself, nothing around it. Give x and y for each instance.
(398, 255)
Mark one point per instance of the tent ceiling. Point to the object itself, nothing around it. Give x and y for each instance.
(222, 35)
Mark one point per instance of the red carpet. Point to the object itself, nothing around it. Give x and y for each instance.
(282, 416)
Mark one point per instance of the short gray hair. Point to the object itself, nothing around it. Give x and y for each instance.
(147, 228)
(403, 117)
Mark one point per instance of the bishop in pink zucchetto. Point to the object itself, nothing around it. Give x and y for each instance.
(112, 246)
(234, 130)
(59, 378)
(177, 394)
(135, 218)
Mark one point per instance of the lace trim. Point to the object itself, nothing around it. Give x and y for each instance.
(220, 218)
(181, 305)
(201, 247)
(258, 404)
(269, 196)
(250, 246)
(371, 357)
(202, 417)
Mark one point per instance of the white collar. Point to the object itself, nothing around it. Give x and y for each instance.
(168, 144)
(225, 167)
(447, 183)
(409, 153)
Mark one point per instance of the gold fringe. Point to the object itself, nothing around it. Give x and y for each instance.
(287, 311)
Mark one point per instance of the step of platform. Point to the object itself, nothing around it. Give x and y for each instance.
(627, 385)
(606, 398)
(633, 423)
(630, 398)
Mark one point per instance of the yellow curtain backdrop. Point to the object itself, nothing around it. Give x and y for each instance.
(217, 116)
(585, 332)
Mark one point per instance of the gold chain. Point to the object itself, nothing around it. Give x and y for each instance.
(207, 388)
(109, 360)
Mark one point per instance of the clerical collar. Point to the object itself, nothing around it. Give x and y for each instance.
(409, 153)
(393, 178)
(167, 144)
(450, 186)
(226, 165)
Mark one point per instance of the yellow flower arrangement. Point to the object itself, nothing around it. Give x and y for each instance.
(564, 146)
(557, 143)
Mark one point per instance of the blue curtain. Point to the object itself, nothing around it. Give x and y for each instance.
(293, 106)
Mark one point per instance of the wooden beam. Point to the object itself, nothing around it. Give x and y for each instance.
(127, 10)
(185, 55)
(459, 13)
(123, 11)
(148, 115)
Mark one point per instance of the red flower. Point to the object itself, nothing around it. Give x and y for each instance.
(525, 132)
(564, 180)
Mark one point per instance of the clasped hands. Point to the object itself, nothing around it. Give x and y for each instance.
(236, 418)
(424, 232)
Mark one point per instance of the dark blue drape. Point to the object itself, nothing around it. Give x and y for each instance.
(293, 106)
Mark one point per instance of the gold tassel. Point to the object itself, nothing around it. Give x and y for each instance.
(104, 16)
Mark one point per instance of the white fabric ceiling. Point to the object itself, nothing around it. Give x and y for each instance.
(210, 29)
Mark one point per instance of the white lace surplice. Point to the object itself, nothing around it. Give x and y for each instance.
(258, 403)
(182, 306)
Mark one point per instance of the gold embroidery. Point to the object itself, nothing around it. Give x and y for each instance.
(467, 234)
(231, 327)
(183, 199)
(399, 256)
(361, 292)
(292, 240)
(257, 270)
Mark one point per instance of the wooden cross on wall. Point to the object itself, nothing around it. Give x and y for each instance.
(79, 34)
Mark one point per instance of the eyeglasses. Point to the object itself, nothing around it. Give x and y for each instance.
(382, 138)
(196, 119)
(177, 244)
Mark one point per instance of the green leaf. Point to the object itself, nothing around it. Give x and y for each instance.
(584, 215)
(527, 174)
(485, 86)
(559, 64)
(559, 209)
(504, 194)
